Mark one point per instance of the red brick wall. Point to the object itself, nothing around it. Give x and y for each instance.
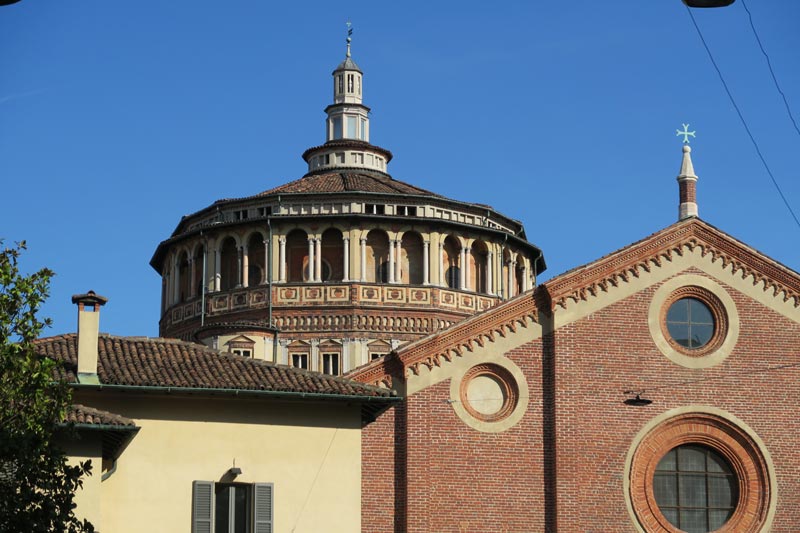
(457, 479)
(611, 351)
(561, 467)
(378, 472)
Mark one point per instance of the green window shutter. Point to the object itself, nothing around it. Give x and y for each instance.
(202, 506)
(262, 507)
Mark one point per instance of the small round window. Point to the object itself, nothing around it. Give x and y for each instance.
(690, 323)
(695, 488)
(694, 322)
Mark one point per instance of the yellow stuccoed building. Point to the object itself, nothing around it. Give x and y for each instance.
(183, 438)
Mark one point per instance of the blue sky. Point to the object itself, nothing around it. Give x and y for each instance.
(117, 118)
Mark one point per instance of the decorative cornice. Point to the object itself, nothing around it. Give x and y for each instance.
(598, 277)
(380, 373)
(464, 336)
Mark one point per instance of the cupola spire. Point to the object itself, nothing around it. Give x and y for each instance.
(687, 186)
(347, 126)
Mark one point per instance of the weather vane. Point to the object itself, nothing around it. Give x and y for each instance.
(686, 133)
(349, 36)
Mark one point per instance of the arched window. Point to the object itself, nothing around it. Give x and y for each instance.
(256, 271)
(332, 255)
(452, 262)
(411, 257)
(377, 256)
(695, 488)
(184, 276)
(229, 264)
(297, 256)
(519, 275)
(199, 254)
(479, 259)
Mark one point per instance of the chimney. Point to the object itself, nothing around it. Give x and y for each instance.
(88, 329)
(687, 185)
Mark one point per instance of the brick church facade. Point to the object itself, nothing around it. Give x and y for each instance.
(584, 391)
(651, 390)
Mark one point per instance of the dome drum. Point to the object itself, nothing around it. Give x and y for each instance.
(341, 265)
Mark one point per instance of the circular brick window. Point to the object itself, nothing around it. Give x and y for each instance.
(694, 321)
(488, 392)
(699, 472)
(490, 396)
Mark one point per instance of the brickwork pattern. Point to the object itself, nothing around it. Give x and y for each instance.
(611, 351)
(562, 467)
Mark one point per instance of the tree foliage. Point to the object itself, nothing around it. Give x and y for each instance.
(37, 485)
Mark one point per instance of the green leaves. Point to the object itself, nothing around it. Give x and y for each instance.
(37, 485)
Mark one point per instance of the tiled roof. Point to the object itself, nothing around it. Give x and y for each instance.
(89, 416)
(157, 362)
(347, 64)
(348, 182)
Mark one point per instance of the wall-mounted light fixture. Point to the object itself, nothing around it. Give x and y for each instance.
(637, 400)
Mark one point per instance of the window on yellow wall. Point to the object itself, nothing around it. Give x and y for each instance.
(232, 507)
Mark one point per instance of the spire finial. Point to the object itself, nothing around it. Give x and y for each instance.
(687, 179)
(686, 133)
(349, 36)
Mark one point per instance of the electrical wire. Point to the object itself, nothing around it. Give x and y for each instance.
(731, 375)
(772, 72)
(741, 118)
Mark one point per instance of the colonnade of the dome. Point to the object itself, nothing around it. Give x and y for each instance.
(308, 254)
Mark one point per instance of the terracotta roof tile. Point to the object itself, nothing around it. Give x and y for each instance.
(348, 182)
(83, 415)
(142, 361)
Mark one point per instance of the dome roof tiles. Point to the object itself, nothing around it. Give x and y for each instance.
(348, 182)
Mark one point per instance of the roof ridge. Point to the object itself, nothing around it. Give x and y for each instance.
(693, 232)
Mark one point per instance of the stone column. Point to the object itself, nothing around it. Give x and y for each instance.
(462, 278)
(192, 279)
(512, 282)
(239, 267)
(282, 259)
(391, 261)
(266, 278)
(363, 259)
(217, 268)
(442, 280)
(398, 272)
(168, 288)
(318, 260)
(311, 262)
(504, 283)
(467, 271)
(176, 281)
(245, 267)
(489, 267)
(425, 260)
(346, 260)
(314, 362)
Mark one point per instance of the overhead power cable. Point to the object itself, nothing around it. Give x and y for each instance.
(741, 117)
(772, 72)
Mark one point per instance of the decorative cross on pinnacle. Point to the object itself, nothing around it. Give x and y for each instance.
(686, 133)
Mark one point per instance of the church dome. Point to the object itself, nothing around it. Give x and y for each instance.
(342, 265)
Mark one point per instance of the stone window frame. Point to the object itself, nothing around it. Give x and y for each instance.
(714, 305)
(500, 375)
(722, 306)
(715, 429)
(514, 380)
